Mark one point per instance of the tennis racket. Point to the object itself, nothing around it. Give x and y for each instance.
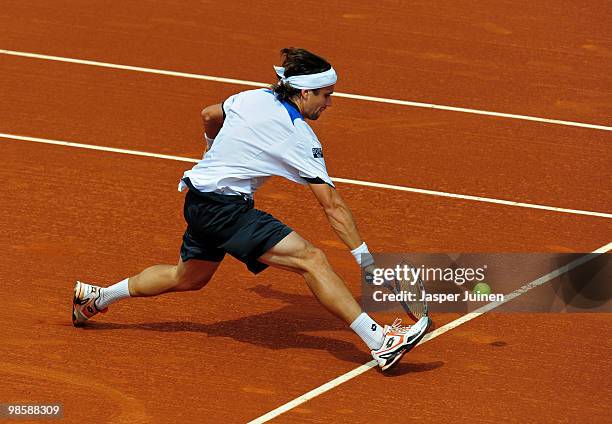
(412, 290)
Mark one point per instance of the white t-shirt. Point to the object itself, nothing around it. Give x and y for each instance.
(260, 137)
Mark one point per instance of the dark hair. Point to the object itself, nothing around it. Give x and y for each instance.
(298, 62)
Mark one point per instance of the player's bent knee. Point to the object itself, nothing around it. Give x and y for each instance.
(200, 284)
(190, 285)
(314, 259)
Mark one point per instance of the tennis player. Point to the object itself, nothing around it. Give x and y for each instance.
(251, 136)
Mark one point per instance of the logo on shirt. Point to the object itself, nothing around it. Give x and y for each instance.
(317, 152)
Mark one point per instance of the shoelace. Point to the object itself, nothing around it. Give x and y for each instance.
(396, 327)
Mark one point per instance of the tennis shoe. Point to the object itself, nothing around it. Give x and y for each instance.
(84, 303)
(398, 341)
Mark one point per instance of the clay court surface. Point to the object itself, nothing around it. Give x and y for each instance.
(246, 345)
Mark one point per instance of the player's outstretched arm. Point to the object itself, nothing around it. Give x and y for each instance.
(341, 220)
(338, 214)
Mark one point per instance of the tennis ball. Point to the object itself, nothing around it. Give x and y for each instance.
(482, 288)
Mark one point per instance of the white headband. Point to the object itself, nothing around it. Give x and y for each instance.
(308, 82)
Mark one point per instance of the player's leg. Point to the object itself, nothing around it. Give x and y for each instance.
(296, 254)
(388, 345)
(198, 261)
(192, 274)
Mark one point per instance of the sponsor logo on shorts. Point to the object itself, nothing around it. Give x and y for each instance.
(317, 152)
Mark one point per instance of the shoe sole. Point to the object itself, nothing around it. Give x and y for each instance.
(408, 348)
(75, 300)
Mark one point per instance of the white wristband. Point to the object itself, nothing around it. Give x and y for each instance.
(209, 141)
(362, 255)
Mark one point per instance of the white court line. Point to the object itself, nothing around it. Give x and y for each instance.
(261, 84)
(94, 147)
(438, 332)
(335, 179)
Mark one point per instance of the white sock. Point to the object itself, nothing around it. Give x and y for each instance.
(112, 294)
(369, 331)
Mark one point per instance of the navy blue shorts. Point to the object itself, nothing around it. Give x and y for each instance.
(218, 224)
